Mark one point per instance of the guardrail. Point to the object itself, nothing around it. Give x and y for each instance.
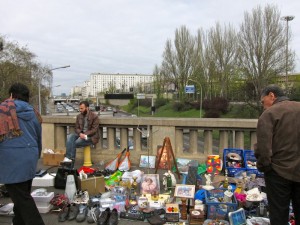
(192, 138)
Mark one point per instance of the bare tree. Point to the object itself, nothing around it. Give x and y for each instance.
(177, 60)
(221, 55)
(261, 47)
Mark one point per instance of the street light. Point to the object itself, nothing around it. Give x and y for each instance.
(287, 19)
(56, 68)
(200, 95)
(52, 89)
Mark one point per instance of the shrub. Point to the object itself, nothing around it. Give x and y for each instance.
(215, 107)
(160, 102)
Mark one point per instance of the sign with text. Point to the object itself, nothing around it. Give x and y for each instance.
(140, 96)
(190, 89)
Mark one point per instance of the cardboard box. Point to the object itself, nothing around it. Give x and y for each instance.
(94, 185)
(53, 159)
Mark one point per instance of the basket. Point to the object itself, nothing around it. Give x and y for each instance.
(250, 157)
(233, 166)
(218, 210)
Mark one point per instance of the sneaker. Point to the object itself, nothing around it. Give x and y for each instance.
(63, 214)
(67, 160)
(114, 216)
(103, 218)
(81, 197)
(93, 214)
(83, 210)
(73, 212)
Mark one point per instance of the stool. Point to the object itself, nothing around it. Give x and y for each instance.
(87, 156)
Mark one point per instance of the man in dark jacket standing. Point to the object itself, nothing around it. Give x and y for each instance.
(278, 153)
(20, 149)
(86, 132)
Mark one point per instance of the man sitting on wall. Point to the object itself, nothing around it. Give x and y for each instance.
(86, 132)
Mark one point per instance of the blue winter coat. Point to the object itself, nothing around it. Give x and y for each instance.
(19, 155)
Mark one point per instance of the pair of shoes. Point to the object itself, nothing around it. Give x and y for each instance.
(83, 210)
(108, 217)
(73, 212)
(93, 214)
(66, 160)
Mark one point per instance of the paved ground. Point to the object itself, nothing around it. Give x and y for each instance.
(51, 218)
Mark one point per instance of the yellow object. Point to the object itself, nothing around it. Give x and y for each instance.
(87, 156)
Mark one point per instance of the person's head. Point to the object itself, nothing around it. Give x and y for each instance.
(19, 91)
(269, 94)
(84, 107)
(149, 180)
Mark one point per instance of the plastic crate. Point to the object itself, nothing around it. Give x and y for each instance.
(216, 209)
(240, 166)
(249, 156)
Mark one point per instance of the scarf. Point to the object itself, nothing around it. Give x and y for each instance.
(9, 125)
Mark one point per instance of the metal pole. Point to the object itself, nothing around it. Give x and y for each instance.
(56, 68)
(200, 101)
(287, 19)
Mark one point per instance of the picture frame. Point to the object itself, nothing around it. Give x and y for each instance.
(150, 184)
(147, 161)
(184, 164)
(184, 191)
(164, 162)
(237, 217)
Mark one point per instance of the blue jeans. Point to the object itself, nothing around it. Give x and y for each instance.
(73, 142)
(280, 192)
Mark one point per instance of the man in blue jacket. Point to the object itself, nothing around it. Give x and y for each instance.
(20, 149)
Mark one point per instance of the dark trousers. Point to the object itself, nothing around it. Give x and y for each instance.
(25, 210)
(280, 192)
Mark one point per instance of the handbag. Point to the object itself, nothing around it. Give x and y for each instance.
(60, 179)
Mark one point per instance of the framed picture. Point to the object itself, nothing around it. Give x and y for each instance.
(237, 217)
(164, 161)
(147, 161)
(150, 184)
(184, 191)
(184, 164)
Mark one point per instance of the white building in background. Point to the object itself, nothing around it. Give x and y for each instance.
(118, 83)
(86, 89)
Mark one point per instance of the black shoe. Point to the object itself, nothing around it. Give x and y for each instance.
(64, 214)
(103, 218)
(83, 210)
(74, 210)
(113, 219)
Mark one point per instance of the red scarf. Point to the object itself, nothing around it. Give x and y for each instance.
(9, 125)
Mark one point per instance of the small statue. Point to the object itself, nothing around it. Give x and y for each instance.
(208, 183)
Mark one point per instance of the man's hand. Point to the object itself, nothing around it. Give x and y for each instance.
(82, 136)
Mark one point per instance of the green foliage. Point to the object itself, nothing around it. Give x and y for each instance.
(161, 102)
(181, 106)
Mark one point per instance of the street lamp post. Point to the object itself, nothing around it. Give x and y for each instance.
(200, 95)
(56, 68)
(287, 19)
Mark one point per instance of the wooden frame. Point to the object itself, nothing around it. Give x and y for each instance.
(184, 191)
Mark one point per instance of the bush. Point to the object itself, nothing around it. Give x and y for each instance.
(181, 106)
(215, 106)
(161, 102)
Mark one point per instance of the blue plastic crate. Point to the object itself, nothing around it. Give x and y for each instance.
(249, 156)
(216, 209)
(229, 165)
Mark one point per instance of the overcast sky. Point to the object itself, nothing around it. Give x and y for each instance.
(118, 36)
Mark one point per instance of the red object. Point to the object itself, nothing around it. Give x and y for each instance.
(86, 169)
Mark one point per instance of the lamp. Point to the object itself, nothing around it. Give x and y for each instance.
(42, 76)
